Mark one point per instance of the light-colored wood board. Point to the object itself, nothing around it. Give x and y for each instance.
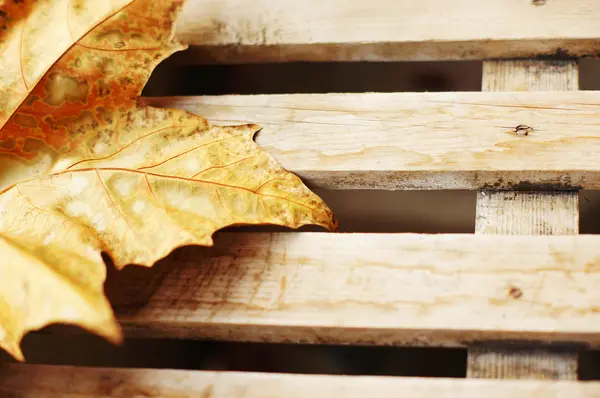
(421, 140)
(534, 213)
(340, 30)
(539, 363)
(530, 75)
(380, 289)
(527, 213)
(43, 381)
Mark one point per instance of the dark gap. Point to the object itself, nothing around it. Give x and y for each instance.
(88, 350)
(589, 212)
(169, 79)
(589, 76)
(589, 365)
(379, 211)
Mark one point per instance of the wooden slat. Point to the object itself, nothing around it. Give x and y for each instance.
(527, 213)
(535, 363)
(340, 30)
(422, 140)
(369, 289)
(535, 213)
(530, 75)
(38, 381)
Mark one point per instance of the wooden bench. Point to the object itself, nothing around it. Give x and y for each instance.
(521, 294)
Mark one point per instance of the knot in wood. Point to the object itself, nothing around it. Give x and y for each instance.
(523, 130)
(515, 292)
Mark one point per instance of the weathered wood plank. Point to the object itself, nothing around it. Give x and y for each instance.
(421, 140)
(530, 75)
(527, 213)
(339, 30)
(535, 363)
(41, 381)
(369, 289)
(534, 213)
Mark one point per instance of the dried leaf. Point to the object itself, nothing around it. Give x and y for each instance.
(85, 169)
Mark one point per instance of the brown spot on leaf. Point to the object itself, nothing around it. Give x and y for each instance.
(26, 121)
(31, 100)
(103, 88)
(7, 144)
(33, 145)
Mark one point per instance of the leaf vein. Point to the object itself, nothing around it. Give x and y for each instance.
(127, 146)
(188, 151)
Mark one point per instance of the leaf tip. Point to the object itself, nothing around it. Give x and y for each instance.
(14, 350)
(334, 225)
(110, 330)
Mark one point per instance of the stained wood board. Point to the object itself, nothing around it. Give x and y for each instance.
(230, 31)
(421, 141)
(43, 381)
(533, 213)
(404, 289)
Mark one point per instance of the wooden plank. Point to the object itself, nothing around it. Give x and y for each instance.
(527, 213)
(422, 140)
(539, 213)
(42, 381)
(369, 289)
(530, 75)
(536, 363)
(338, 30)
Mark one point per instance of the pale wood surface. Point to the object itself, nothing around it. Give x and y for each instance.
(527, 213)
(369, 289)
(39, 381)
(534, 213)
(530, 75)
(283, 30)
(502, 362)
(421, 140)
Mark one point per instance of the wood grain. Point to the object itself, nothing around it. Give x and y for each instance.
(534, 213)
(338, 30)
(421, 140)
(530, 75)
(536, 363)
(369, 289)
(40, 381)
(527, 213)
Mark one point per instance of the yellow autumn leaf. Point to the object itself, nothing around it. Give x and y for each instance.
(85, 169)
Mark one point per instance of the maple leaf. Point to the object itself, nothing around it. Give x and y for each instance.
(85, 169)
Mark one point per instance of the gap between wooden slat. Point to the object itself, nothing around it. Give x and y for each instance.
(534, 213)
(421, 140)
(42, 381)
(233, 31)
(373, 289)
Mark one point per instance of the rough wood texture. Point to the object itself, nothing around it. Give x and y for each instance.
(421, 140)
(530, 75)
(369, 289)
(514, 213)
(312, 30)
(39, 381)
(524, 363)
(527, 213)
